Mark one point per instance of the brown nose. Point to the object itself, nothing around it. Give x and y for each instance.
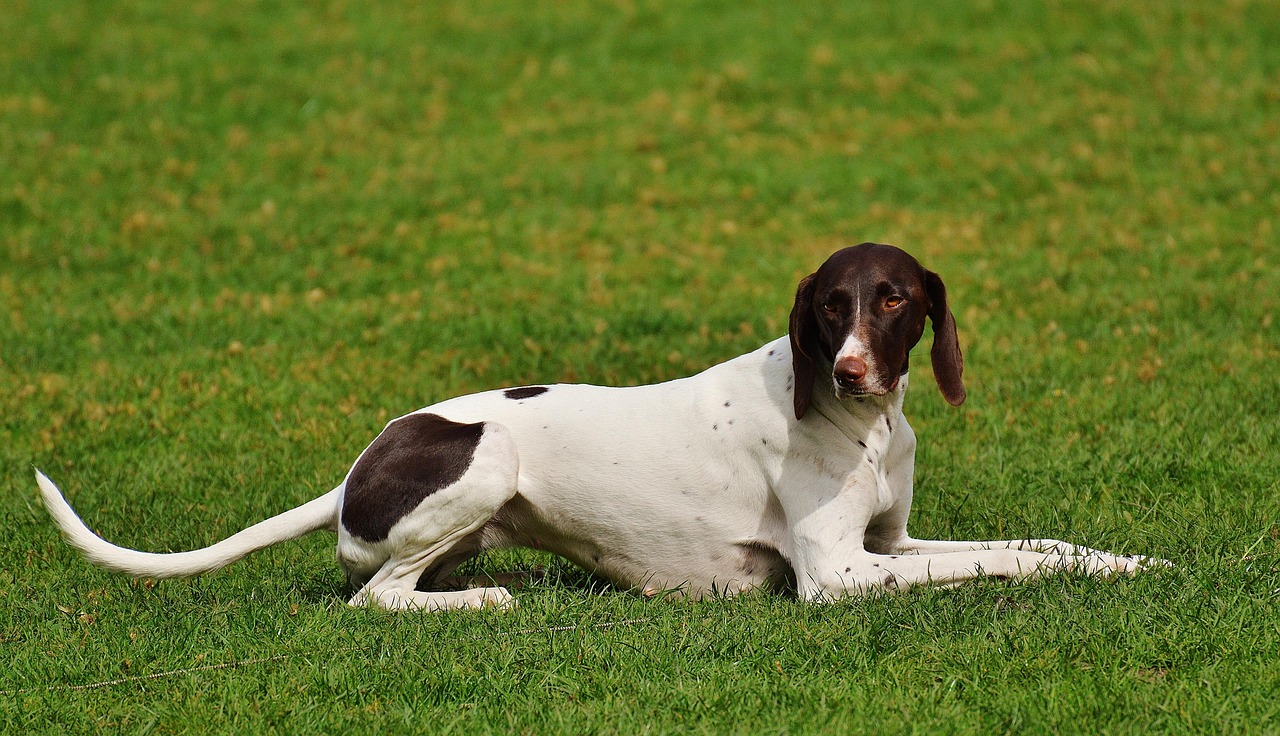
(850, 371)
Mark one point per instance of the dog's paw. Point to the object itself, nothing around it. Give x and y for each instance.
(1149, 563)
(1104, 564)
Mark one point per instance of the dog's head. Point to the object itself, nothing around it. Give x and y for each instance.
(861, 313)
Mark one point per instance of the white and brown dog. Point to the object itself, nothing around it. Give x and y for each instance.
(789, 467)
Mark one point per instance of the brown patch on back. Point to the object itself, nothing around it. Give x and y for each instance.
(414, 457)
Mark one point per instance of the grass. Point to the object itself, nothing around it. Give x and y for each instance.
(238, 237)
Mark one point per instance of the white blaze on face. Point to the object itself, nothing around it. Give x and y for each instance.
(855, 347)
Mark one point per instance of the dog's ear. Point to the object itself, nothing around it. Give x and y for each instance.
(803, 333)
(945, 354)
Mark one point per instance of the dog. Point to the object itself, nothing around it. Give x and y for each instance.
(788, 468)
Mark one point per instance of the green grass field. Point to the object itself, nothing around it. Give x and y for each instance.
(236, 238)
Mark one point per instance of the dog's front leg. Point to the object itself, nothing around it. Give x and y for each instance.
(864, 571)
(827, 517)
(828, 528)
(830, 559)
(1053, 547)
(889, 535)
(952, 568)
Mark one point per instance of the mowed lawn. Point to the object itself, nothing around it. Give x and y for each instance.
(236, 238)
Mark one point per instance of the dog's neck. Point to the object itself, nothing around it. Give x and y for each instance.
(861, 417)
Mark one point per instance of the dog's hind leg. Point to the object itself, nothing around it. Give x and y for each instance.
(393, 588)
(423, 487)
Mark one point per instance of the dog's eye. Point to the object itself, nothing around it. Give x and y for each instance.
(830, 308)
(893, 302)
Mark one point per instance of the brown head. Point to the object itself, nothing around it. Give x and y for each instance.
(861, 313)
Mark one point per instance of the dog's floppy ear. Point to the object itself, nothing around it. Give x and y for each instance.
(803, 334)
(945, 354)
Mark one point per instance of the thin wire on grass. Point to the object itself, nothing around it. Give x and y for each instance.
(281, 657)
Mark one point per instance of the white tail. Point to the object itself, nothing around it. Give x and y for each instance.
(321, 513)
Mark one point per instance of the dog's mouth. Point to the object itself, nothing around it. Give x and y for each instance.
(857, 392)
(862, 391)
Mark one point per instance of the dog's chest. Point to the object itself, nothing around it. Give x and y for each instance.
(879, 441)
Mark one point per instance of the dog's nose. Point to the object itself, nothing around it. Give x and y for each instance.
(850, 371)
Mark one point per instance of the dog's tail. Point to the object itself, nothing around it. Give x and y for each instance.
(321, 513)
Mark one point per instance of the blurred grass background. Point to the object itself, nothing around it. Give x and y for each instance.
(236, 238)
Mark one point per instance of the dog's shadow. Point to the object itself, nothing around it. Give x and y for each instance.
(515, 570)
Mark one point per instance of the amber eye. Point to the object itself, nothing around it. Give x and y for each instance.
(893, 302)
(829, 308)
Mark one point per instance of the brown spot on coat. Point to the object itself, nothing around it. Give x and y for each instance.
(525, 392)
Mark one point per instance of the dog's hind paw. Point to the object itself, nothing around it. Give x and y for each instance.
(492, 598)
(430, 601)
